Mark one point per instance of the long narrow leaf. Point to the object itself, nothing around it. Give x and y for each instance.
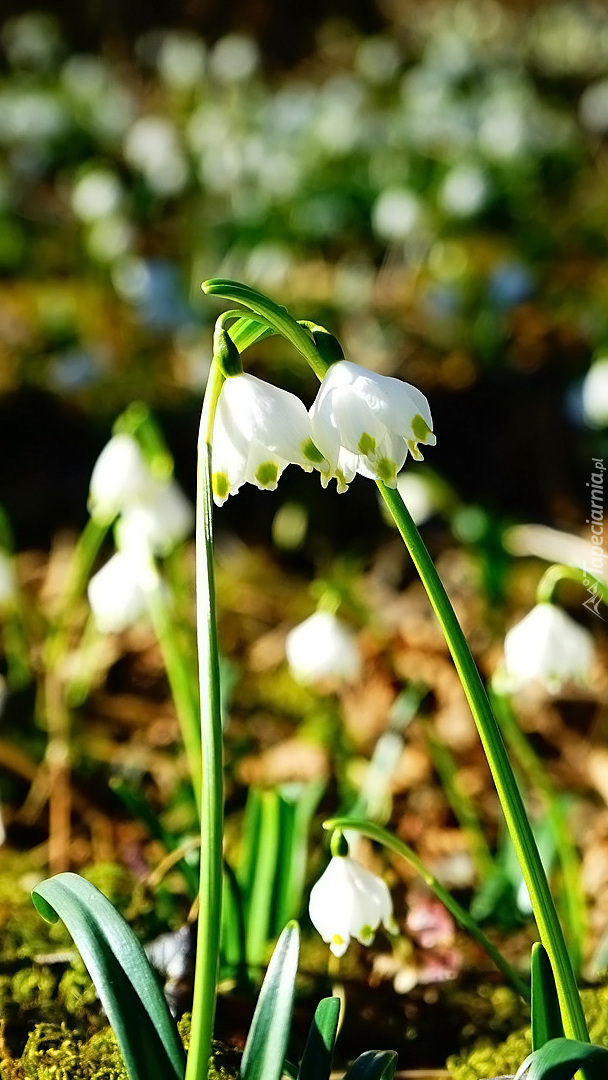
(125, 982)
(266, 1044)
(373, 1065)
(319, 1050)
(559, 1059)
(546, 1016)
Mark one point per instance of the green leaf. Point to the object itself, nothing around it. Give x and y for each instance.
(559, 1059)
(125, 982)
(373, 1065)
(266, 1044)
(319, 1050)
(546, 1014)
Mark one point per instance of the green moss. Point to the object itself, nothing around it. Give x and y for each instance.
(488, 1059)
(53, 1052)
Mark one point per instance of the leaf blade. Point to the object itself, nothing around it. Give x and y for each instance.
(266, 1044)
(319, 1050)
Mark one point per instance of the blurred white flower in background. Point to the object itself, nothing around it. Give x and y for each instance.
(152, 145)
(595, 393)
(234, 58)
(97, 193)
(181, 59)
(349, 901)
(160, 521)
(116, 595)
(323, 648)
(120, 477)
(396, 214)
(464, 190)
(547, 647)
(418, 494)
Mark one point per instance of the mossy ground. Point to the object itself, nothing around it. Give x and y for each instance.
(53, 1052)
(503, 1060)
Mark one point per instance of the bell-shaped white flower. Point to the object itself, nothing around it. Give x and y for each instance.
(349, 901)
(120, 478)
(160, 522)
(547, 647)
(321, 648)
(116, 595)
(259, 429)
(595, 393)
(366, 423)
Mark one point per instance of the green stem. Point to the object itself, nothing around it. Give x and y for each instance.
(574, 897)
(513, 808)
(179, 675)
(547, 586)
(382, 836)
(212, 780)
(274, 315)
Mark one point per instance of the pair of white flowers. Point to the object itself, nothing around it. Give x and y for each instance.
(360, 422)
(154, 516)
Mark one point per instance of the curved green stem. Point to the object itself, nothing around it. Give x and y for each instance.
(382, 836)
(513, 808)
(212, 783)
(274, 315)
(547, 586)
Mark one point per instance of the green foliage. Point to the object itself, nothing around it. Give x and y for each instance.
(559, 1058)
(373, 1065)
(266, 1045)
(319, 1050)
(546, 1015)
(124, 980)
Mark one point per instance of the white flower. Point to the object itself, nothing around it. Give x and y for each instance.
(548, 647)
(8, 582)
(116, 595)
(164, 519)
(595, 393)
(119, 479)
(349, 901)
(418, 495)
(366, 423)
(321, 648)
(259, 429)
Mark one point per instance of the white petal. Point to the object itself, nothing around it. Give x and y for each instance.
(120, 477)
(115, 595)
(322, 647)
(549, 647)
(162, 521)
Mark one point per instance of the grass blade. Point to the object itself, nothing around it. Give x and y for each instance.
(319, 1050)
(266, 1044)
(546, 1015)
(373, 1065)
(124, 980)
(559, 1059)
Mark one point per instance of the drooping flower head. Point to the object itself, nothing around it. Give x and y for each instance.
(364, 422)
(547, 647)
(349, 901)
(160, 521)
(259, 430)
(120, 477)
(116, 595)
(322, 647)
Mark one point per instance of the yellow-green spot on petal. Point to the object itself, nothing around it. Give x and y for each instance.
(267, 474)
(386, 470)
(420, 429)
(391, 925)
(312, 453)
(414, 451)
(367, 444)
(366, 934)
(220, 484)
(337, 940)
